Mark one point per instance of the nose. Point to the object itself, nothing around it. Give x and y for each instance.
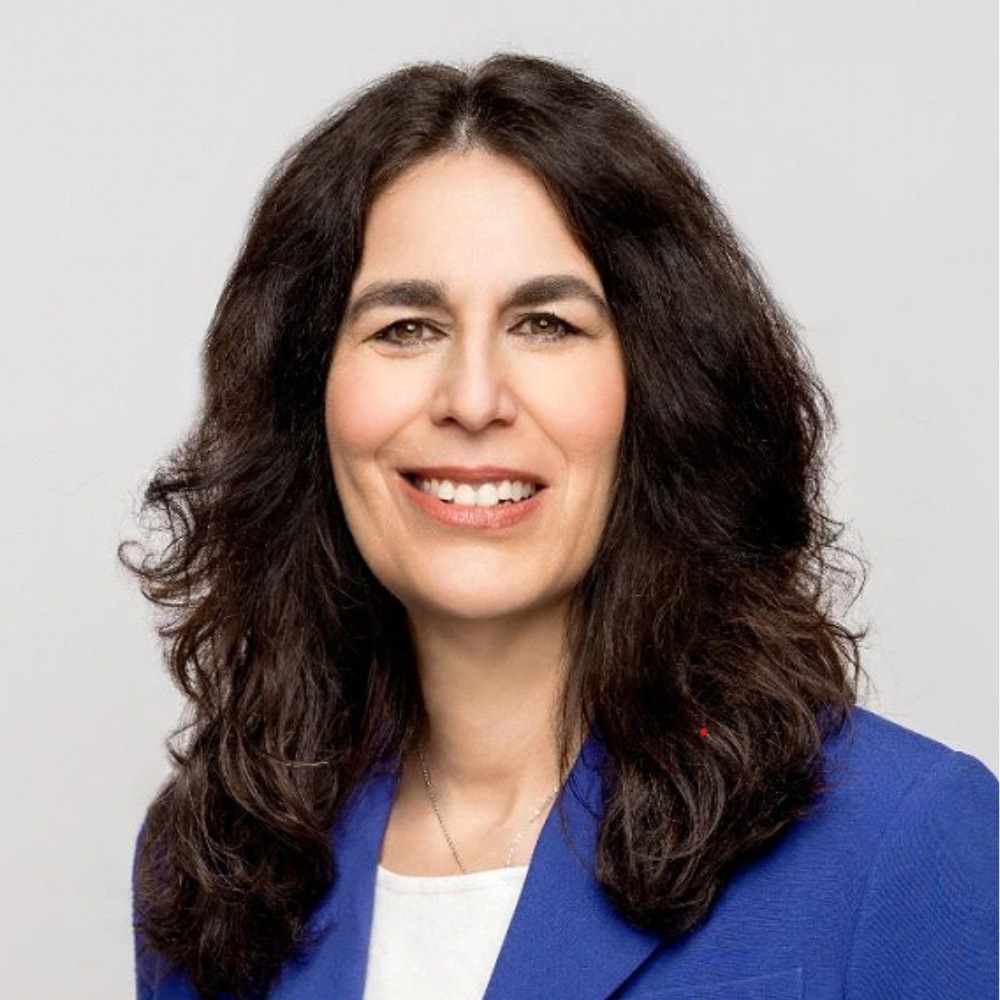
(475, 386)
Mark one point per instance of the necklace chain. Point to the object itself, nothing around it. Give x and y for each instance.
(444, 829)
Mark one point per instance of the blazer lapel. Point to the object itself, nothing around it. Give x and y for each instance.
(565, 940)
(337, 967)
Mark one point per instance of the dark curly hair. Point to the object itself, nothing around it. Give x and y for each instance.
(707, 603)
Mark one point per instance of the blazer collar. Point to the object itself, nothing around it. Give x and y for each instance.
(564, 940)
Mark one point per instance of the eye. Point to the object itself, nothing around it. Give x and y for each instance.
(411, 334)
(409, 328)
(549, 324)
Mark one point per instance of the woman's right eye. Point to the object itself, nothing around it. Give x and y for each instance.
(409, 328)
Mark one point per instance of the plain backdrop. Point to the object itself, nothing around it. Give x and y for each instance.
(854, 144)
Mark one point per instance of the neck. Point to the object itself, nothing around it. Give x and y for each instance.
(491, 692)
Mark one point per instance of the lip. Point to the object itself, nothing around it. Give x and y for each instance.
(475, 473)
(461, 516)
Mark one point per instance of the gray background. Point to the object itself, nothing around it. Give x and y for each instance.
(854, 144)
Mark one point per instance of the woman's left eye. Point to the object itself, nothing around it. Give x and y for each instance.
(548, 324)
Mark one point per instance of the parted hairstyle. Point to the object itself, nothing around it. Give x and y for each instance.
(708, 605)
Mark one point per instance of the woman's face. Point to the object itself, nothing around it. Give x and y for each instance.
(454, 352)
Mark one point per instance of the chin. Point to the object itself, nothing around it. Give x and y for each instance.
(480, 605)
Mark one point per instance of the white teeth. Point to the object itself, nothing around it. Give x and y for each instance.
(484, 495)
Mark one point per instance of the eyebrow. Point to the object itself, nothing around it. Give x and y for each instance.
(420, 294)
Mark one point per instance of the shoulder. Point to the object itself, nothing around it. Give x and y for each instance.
(887, 887)
(885, 782)
(879, 771)
(925, 819)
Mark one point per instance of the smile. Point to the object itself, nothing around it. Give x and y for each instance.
(485, 494)
(499, 504)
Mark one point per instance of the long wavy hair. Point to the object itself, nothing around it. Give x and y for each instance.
(708, 603)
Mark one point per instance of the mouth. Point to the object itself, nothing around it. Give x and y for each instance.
(510, 490)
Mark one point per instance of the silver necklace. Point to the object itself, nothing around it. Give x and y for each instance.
(444, 829)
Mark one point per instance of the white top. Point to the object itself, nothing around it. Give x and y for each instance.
(437, 936)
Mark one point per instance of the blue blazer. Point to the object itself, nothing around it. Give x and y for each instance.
(888, 890)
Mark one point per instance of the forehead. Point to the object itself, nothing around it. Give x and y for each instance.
(467, 212)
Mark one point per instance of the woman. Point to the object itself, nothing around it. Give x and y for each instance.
(498, 569)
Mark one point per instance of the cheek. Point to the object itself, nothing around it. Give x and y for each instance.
(362, 411)
(586, 413)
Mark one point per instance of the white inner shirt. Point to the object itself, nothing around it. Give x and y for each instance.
(437, 936)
